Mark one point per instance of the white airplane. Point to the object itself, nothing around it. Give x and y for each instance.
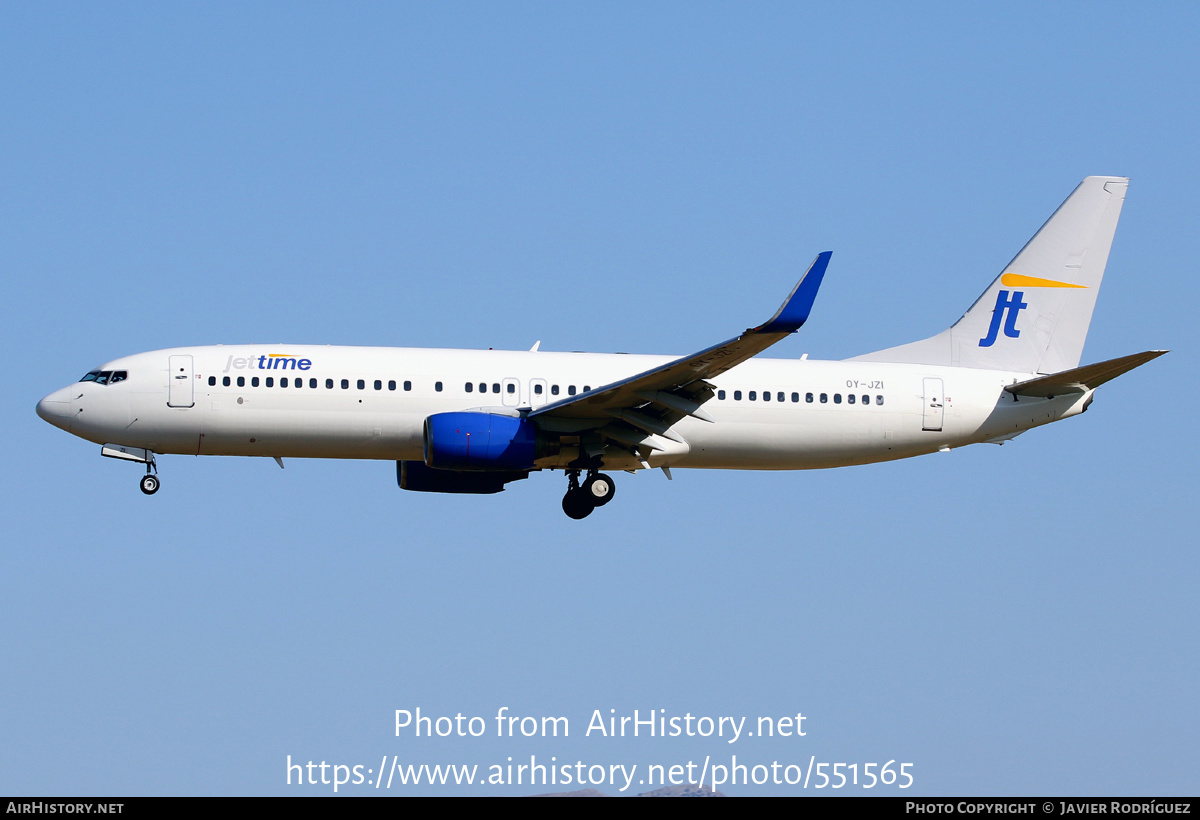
(472, 421)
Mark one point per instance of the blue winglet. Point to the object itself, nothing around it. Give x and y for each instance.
(793, 313)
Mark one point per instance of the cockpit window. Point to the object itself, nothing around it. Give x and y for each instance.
(106, 376)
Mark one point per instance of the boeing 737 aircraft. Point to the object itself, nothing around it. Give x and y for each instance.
(472, 421)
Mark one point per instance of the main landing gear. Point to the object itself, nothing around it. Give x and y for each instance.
(595, 491)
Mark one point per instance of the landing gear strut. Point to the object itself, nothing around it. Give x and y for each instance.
(595, 491)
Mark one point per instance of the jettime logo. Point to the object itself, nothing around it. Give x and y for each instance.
(269, 361)
(1005, 305)
(1009, 305)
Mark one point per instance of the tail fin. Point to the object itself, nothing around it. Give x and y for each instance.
(1034, 318)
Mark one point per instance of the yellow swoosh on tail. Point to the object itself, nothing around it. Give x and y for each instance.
(1016, 280)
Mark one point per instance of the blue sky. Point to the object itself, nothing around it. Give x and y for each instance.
(642, 178)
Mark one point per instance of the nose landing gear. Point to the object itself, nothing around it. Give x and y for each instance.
(595, 491)
(149, 482)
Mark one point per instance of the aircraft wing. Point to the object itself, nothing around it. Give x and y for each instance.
(632, 410)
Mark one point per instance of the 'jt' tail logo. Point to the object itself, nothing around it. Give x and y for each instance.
(1012, 305)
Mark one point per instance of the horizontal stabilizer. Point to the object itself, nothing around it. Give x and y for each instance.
(1081, 379)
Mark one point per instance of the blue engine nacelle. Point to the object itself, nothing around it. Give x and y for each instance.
(479, 442)
(413, 475)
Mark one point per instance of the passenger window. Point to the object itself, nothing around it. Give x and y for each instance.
(378, 384)
(866, 399)
(779, 397)
(824, 398)
(766, 395)
(753, 395)
(329, 384)
(586, 388)
(537, 389)
(254, 381)
(345, 384)
(482, 387)
(437, 386)
(554, 390)
(212, 381)
(391, 384)
(837, 398)
(241, 381)
(469, 387)
(850, 398)
(720, 395)
(879, 399)
(496, 387)
(283, 382)
(361, 384)
(808, 397)
(270, 381)
(298, 382)
(737, 395)
(571, 390)
(512, 388)
(796, 398)
(408, 385)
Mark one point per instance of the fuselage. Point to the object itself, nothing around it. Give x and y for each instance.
(371, 403)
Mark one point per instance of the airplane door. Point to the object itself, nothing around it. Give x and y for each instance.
(934, 404)
(179, 371)
(512, 392)
(537, 392)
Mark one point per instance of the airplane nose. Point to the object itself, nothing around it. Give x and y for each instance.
(56, 409)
